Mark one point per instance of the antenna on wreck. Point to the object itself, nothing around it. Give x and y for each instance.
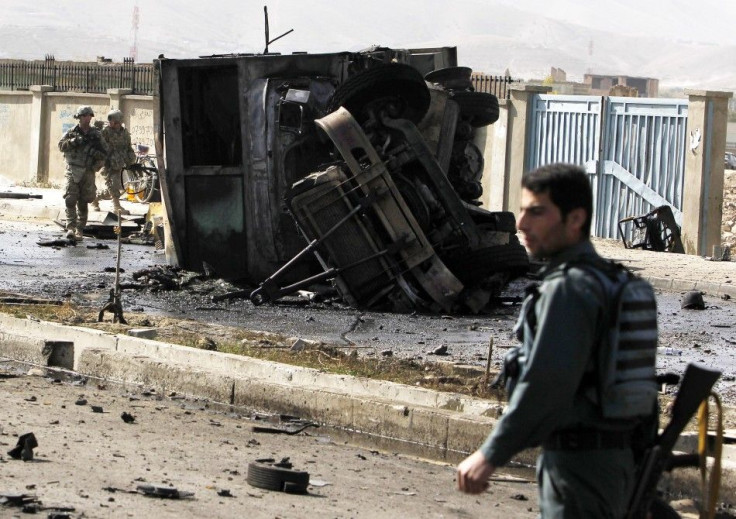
(268, 42)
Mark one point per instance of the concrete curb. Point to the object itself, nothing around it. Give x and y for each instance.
(446, 423)
(683, 285)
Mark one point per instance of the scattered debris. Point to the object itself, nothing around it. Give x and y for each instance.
(205, 343)
(269, 475)
(224, 492)
(97, 409)
(439, 350)
(163, 492)
(19, 196)
(693, 300)
(99, 246)
(656, 231)
(166, 277)
(58, 242)
(289, 427)
(81, 401)
(127, 417)
(24, 448)
(18, 299)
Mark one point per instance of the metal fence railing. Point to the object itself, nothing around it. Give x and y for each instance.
(67, 76)
(496, 85)
(96, 78)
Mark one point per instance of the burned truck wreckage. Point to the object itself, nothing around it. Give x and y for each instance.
(285, 171)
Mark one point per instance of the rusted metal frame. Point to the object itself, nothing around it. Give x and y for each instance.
(392, 211)
(269, 289)
(444, 189)
(431, 274)
(322, 197)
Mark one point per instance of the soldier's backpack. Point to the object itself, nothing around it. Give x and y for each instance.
(626, 385)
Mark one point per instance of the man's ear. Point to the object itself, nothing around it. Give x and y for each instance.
(576, 218)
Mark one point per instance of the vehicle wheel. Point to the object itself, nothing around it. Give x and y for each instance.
(272, 477)
(451, 78)
(466, 161)
(385, 83)
(478, 108)
(473, 266)
(661, 510)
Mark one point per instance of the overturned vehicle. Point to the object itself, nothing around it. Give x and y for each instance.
(357, 168)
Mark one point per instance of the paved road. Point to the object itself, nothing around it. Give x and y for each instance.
(77, 274)
(83, 455)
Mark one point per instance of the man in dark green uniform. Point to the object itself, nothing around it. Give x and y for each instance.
(587, 465)
(84, 151)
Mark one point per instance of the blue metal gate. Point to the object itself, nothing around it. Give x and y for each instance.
(632, 148)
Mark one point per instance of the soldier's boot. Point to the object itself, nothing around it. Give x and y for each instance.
(118, 208)
(79, 229)
(95, 205)
(71, 220)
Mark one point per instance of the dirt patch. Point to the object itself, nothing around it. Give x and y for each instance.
(332, 358)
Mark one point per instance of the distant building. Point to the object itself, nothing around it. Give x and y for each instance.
(602, 84)
(557, 79)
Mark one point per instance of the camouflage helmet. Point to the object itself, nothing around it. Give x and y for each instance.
(115, 115)
(84, 110)
(693, 300)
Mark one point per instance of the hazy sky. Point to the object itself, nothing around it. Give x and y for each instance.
(319, 24)
(636, 37)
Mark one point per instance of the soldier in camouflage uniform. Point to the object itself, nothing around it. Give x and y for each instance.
(84, 151)
(120, 154)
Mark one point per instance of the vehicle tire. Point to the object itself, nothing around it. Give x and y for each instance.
(473, 266)
(478, 108)
(271, 477)
(661, 510)
(451, 78)
(384, 81)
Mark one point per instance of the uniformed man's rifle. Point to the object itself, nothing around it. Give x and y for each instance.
(695, 388)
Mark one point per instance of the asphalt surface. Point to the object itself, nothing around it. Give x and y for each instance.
(78, 274)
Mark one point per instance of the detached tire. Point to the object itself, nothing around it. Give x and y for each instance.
(281, 479)
(395, 80)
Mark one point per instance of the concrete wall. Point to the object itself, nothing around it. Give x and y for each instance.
(15, 117)
(32, 122)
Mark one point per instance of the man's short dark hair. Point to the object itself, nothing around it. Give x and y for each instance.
(568, 187)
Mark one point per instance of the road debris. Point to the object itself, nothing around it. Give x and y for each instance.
(24, 448)
(280, 476)
(59, 242)
(127, 417)
(693, 300)
(163, 492)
